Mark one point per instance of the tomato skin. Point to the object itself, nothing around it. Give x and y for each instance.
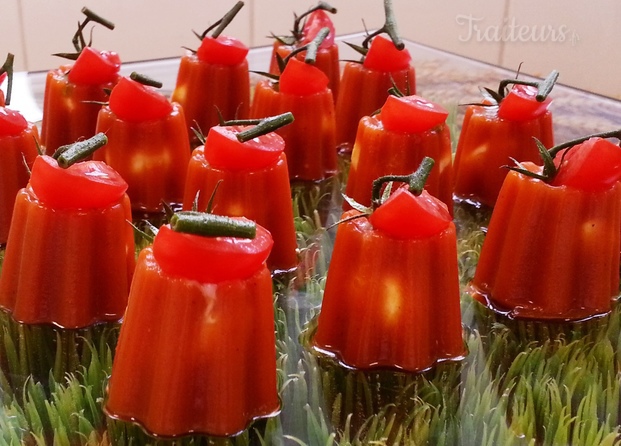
(94, 67)
(593, 166)
(407, 216)
(302, 79)
(521, 104)
(132, 101)
(12, 123)
(315, 21)
(83, 185)
(211, 259)
(411, 114)
(384, 56)
(224, 151)
(222, 50)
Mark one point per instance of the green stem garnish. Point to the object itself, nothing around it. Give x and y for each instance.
(72, 153)
(7, 67)
(610, 134)
(212, 198)
(78, 38)
(145, 80)
(544, 87)
(92, 17)
(395, 91)
(415, 181)
(389, 27)
(547, 155)
(311, 49)
(297, 23)
(200, 223)
(221, 24)
(262, 126)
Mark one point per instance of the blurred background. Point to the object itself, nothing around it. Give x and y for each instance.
(581, 39)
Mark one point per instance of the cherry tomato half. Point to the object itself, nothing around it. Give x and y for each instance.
(411, 114)
(83, 185)
(224, 151)
(521, 104)
(302, 79)
(211, 259)
(384, 56)
(594, 165)
(132, 101)
(12, 123)
(94, 67)
(407, 216)
(222, 50)
(315, 21)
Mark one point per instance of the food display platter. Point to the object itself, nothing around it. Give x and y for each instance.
(521, 382)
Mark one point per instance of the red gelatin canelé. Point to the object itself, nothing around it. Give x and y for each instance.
(70, 254)
(18, 145)
(75, 93)
(252, 181)
(148, 144)
(196, 352)
(492, 136)
(391, 299)
(327, 59)
(552, 247)
(310, 141)
(364, 86)
(395, 141)
(213, 81)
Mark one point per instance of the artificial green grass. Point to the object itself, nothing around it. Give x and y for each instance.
(522, 383)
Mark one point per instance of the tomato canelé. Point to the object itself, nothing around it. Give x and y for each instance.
(148, 144)
(213, 82)
(194, 300)
(70, 252)
(74, 93)
(310, 141)
(395, 141)
(311, 23)
(552, 248)
(252, 180)
(498, 131)
(410, 319)
(365, 86)
(19, 142)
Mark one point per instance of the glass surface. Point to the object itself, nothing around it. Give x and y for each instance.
(522, 382)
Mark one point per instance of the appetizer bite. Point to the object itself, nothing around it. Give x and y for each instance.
(310, 141)
(364, 85)
(395, 141)
(148, 143)
(196, 352)
(392, 291)
(213, 82)
(499, 130)
(19, 140)
(74, 93)
(70, 253)
(305, 29)
(248, 167)
(552, 247)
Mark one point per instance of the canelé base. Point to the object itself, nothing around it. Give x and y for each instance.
(193, 357)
